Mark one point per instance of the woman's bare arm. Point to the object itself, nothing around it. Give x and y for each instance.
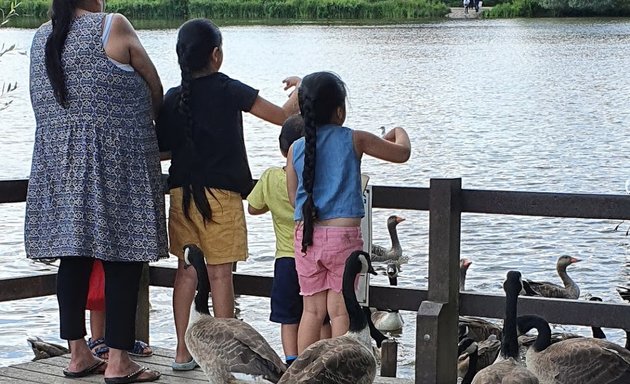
(125, 47)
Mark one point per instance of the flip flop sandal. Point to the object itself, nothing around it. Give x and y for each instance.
(139, 349)
(98, 347)
(91, 370)
(134, 377)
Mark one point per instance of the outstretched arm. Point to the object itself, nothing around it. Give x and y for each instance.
(274, 114)
(394, 146)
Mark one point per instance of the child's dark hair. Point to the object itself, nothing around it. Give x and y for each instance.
(319, 95)
(292, 129)
(196, 40)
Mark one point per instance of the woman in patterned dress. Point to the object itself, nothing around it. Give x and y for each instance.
(95, 187)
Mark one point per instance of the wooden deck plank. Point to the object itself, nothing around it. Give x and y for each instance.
(50, 371)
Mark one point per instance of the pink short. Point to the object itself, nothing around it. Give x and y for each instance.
(321, 268)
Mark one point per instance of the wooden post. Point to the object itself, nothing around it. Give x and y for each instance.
(436, 332)
(142, 311)
(389, 358)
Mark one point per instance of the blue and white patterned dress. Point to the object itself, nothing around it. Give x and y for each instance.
(95, 188)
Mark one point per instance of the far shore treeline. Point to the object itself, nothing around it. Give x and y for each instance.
(163, 13)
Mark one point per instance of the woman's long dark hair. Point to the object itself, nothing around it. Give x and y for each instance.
(61, 15)
(319, 95)
(196, 41)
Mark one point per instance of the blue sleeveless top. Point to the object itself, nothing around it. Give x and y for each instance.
(337, 187)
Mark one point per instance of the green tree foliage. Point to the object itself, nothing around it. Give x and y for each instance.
(261, 9)
(529, 8)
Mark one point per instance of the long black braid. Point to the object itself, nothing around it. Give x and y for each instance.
(196, 41)
(61, 15)
(319, 95)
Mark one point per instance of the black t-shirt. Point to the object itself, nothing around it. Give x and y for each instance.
(216, 105)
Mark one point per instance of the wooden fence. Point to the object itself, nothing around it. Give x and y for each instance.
(438, 307)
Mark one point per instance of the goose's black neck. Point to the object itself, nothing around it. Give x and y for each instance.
(598, 333)
(393, 281)
(196, 259)
(472, 367)
(528, 322)
(358, 320)
(374, 332)
(509, 344)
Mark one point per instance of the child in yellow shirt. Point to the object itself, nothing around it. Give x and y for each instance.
(270, 195)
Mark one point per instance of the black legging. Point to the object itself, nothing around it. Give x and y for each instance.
(122, 281)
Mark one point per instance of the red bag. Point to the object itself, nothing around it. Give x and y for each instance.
(96, 293)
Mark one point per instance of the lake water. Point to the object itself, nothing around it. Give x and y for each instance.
(523, 105)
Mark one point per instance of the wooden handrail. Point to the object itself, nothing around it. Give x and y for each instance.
(439, 306)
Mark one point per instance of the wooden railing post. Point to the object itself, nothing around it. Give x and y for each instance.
(142, 311)
(389, 358)
(436, 331)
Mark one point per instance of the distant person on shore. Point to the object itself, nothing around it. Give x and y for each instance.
(270, 195)
(201, 124)
(95, 188)
(327, 195)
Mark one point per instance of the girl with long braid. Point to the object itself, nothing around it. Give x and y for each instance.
(201, 125)
(324, 184)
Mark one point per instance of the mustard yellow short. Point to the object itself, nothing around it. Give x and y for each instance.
(223, 239)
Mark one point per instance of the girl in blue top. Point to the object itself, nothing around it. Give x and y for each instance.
(324, 184)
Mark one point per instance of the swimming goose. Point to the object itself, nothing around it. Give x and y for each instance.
(464, 264)
(379, 253)
(343, 359)
(506, 366)
(389, 320)
(222, 346)
(44, 350)
(546, 289)
(583, 360)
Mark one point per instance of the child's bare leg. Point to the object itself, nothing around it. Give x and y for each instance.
(222, 288)
(289, 336)
(339, 320)
(97, 324)
(97, 329)
(183, 295)
(326, 331)
(312, 319)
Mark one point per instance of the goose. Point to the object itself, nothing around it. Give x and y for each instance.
(624, 292)
(583, 360)
(347, 358)
(222, 346)
(479, 329)
(379, 253)
(485, 353)
(44, 350)
(464, 264)
(389, 320)
(506, 366)
(570, 289)
(467, 349)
